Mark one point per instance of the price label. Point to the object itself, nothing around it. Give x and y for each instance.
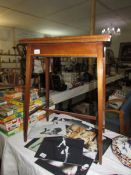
(37, 51)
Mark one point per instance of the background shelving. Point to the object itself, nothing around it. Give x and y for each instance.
(10, 68)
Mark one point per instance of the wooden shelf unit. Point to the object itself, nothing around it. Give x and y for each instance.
(76, 46)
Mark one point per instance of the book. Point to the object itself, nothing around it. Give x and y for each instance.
(34, 144)
(47, 129)
(78, 129)
(61, 149)
(56, 167)
(60, 168)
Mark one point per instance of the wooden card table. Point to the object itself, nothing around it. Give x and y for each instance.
(75, 46)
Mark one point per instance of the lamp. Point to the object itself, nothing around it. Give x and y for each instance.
(111, 31)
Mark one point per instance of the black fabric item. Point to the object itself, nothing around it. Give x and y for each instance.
(58, 83)
(56, 67)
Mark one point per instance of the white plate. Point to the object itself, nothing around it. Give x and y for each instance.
(121, 147)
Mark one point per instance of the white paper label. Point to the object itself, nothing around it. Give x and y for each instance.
(37, 51)
(43, 155)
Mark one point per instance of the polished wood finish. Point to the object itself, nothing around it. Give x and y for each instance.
(47, 67)
(80, 116)
(64, 49)
(27, 91)
(81, 46)
(101, 96)
(68, 39)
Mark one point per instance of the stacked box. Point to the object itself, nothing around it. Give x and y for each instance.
(10, 125)
(18, 94)
(6, 111)
(2, 101)
(12, 95)
(11, 112)
(8, 117)
(2, 93)
(39, 115)
(4, 119)
(12, 132)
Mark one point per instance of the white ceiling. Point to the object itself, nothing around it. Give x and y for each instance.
(64, 17)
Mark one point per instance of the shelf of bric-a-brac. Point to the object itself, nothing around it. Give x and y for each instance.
(10, 61)
(10, 68)
(10, 76)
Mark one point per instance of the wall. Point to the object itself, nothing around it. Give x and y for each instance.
(10, 65)
(10, 36)
(6, 39)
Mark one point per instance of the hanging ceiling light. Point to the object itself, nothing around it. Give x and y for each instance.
(111, 31)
